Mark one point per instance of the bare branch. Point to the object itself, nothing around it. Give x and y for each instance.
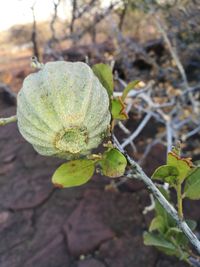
(98, 18)
(151, 206)
(74, 8)
(169, 135)
(137, 131)
(34, 34)
(54, 18)
(123, 14)
(123, 128)
(4, 121)
(172, 51)
(177, 60)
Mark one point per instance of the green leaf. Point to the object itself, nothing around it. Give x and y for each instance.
(166, 173)
(157, 223)
(192, 185)
(167, 219)
(105, 76)
(128, 88)
(173, 231)
(73, 173)
(160, 211)
(177, 236)
(165, 192)
(113, 163)
(192, 224)
(183, 165)
(164, 245)
(118, 109)
(151, 239)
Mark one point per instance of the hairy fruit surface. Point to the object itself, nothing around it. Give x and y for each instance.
(63, 110)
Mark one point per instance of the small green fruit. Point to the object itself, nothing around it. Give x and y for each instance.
(63, 110)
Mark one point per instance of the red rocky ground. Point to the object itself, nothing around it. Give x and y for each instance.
(79, 227)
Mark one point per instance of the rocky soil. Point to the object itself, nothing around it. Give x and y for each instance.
(80, 227)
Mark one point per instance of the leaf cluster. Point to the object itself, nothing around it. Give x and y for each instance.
(117, 105)
(179, 170)
(164, 234)
(184, 177)
(112, 163)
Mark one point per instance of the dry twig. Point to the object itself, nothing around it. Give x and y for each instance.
(4, 121)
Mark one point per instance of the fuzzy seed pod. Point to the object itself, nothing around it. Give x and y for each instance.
(63, 110)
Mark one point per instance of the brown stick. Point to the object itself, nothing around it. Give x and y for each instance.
(34, 34)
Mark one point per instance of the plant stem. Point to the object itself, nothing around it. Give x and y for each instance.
(4, 121)
(182, 253)
(138, 173)
(179, 200)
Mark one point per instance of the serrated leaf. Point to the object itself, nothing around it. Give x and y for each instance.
(113, 163)
(151, 239)
(105, 76)
(182, 164)
(128, 88)
(118, 109)
(166, 173)
(73, 173)
(157, 223)
(192, 185)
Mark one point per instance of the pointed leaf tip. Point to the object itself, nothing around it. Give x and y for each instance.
(128, 88)
(105, 76)
(118, 109)
(166, 173)
(183, 165)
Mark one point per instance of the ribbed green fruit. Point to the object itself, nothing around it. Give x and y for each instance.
(63, 110)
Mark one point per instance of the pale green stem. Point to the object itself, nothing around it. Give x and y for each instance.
(4, 121)
(179, 200)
